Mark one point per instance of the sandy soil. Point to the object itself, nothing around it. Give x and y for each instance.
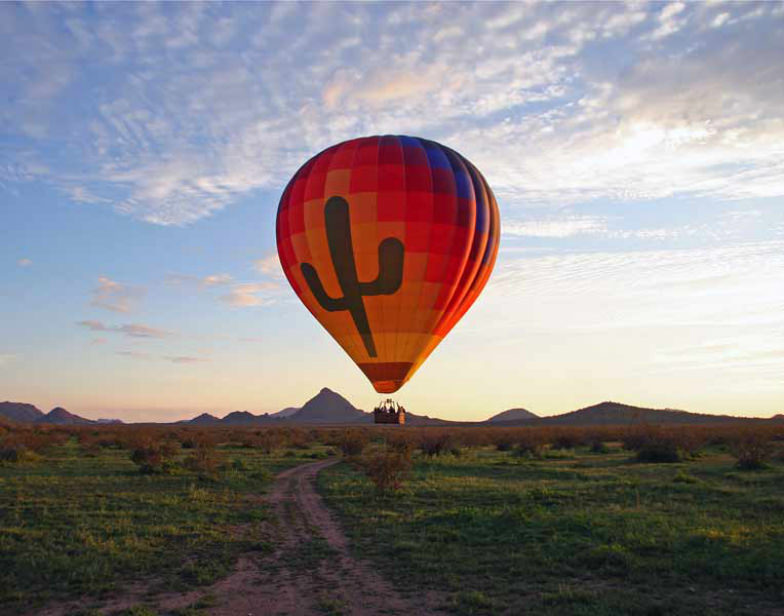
(310, 571)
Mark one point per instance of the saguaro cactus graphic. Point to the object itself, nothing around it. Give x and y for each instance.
(341, 249)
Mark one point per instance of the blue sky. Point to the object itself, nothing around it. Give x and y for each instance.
(635, 150)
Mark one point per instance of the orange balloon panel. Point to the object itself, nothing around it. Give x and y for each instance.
(388, 241)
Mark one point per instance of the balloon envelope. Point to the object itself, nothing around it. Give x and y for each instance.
(388, 241)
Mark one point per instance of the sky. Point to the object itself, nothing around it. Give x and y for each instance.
(636, 152)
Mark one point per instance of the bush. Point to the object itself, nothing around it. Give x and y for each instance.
(352, 442)
(204, 459)
(530, 445)
(566, 440)
(504, 443)
(387, 468)
(155, 457)
(13, 453)
(435, 443)
(659, 451)
(400, 443)
(653, 444)
(752, 450)
(269, 440)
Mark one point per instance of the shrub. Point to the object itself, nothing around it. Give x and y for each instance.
(352, 442)
(387, 468)
(435, 443)
(13, 453)
(269, 440)
(653, 444)
(400, 443)
(566, 440)
(530, 445)
(752, 449)
(662, 451)
(155, 457)
(204, 459)
(690, 441)
(504, 443)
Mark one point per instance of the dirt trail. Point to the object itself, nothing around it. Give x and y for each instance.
(310, 571)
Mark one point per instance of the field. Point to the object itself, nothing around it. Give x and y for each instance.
(481, 521)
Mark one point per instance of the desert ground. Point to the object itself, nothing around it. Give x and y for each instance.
(137, 520)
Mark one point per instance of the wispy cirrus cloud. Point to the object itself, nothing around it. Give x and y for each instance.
(210, 280)
(269, 265)
(133, 330)
(24, 262)
(115, 296)
(174, 359)
(251, 294)
(186, 359)
(686, 99)
(555, 227)
(135, 354)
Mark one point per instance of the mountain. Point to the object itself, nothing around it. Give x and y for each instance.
(425, 420)
(519, 414)
(19, 411)
(205, 419)
(615, 413)
(329, 407)
(240, 418)
(61, 417)
(287, 412)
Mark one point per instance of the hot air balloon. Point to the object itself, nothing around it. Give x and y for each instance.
(388, 241)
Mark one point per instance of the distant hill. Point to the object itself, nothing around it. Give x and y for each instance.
(287, 412)
(205, 419)
(59, 416)
(19, 411)
(513, 415)
(615, 413)
(328, 406)
(240, 418)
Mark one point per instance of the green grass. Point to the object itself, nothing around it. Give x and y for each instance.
(73, 526)
(578, 534)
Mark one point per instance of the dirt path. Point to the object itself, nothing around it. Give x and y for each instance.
(310, 572)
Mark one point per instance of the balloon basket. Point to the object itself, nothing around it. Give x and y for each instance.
(389, 412)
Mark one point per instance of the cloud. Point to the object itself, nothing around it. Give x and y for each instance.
(115, 296)
(176, 359)
(216, 279)
(24, 262)
(185, 359)
(269, 265)
(247, 294)
(556, 103)
(555, 228)
(133, 330)
(211, 280)
(135, 354)
(724, 287)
